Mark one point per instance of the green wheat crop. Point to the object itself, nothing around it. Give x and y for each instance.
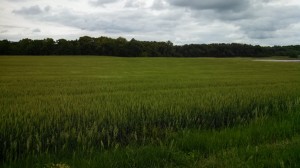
(64, 105)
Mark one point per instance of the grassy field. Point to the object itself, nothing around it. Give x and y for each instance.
(148, 112)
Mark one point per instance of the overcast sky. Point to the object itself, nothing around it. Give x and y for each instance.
(264, 22)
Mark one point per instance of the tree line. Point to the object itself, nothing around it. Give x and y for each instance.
(133, 48)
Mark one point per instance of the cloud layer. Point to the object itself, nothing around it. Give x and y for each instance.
(218, 5)
(262, 22)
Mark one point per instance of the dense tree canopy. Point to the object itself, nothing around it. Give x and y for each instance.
(121, 47)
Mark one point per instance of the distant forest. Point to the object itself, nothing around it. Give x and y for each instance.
(134, 48)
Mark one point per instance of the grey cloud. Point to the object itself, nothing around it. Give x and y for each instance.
(124, 21)
(11, 26)
(47, 8)
(3, 31)
(32, 10)
(36, 30)
(17, 0)
(92, 22)
(233, 16)
(101, 2)
(158, 5)
(268, 22)
(257, 20)
(218, 5)
(134, 4)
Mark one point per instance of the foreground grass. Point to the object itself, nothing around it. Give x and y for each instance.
(148, 112)
(266, 142)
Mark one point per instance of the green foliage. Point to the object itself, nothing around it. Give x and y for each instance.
(159, 112)
(121, 47)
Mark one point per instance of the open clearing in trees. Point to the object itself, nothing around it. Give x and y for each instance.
(148, 112)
